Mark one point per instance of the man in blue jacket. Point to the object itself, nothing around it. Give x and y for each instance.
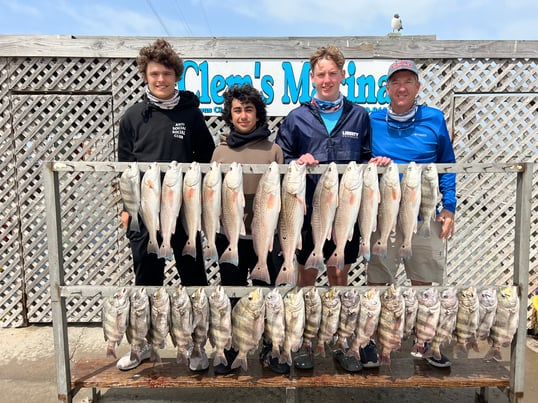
(407, 131)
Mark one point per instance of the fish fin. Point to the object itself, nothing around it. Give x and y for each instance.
(155, 357)
(364, 250)
(240, 361)
(405, 251)
(286, 276)
(424, 229)
(261, 273)
(379, 249)
(189, 248)
(153, 247)
(210, 253)
(166, 251)
(230, 255)
(335, 260)
(315, 261)
(494, 353)
(220, 358)
(111, 350)
(134, 225)
(243, 230)
(182, 356)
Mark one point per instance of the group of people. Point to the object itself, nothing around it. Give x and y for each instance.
(168, 125)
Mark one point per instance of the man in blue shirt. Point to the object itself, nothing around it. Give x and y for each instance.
(405, 132)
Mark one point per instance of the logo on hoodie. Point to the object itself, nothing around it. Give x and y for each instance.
(178, 130)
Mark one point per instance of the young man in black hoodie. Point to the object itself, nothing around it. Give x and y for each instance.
(166, 126)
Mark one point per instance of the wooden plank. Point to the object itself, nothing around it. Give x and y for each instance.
(404, 372)
(390, 47)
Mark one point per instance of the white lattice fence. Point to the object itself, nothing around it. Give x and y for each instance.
(69, 109)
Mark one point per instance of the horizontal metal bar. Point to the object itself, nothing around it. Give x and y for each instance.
(87, 166)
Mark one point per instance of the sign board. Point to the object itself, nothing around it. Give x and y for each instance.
(283, 84)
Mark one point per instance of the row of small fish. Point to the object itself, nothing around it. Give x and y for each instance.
(306, 319)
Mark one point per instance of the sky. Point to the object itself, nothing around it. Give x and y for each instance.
(447, 20)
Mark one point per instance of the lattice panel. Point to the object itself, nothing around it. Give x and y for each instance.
(495, 75)
(494, 128)
(11, 275)
(436, 84)
(57, 128)
(59, 74)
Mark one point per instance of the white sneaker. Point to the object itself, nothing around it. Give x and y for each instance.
(125, 363)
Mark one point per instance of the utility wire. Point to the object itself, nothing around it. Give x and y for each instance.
(183, 19)
(158, 17)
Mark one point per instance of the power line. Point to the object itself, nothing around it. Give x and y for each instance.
(158, 17)
(205, 18)
(183, 19)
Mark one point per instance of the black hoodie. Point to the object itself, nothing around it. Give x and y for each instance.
(148, 133)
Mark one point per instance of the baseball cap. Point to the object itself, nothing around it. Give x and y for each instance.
(402, 65)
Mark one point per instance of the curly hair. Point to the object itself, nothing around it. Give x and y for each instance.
(244, 94)
(160, 52)
(329, 53)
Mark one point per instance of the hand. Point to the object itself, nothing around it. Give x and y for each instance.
(447, 218)
(307, 159)
(124, 220)
(381, 161)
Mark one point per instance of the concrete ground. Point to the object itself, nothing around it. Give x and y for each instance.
(28, 374)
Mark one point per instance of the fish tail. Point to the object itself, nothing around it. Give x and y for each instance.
(220, 358)
(380, 249)
(285, 357)
(385, 358)
(155, 357)
(210, 253)
(182, 356)
(354, 352)
(134, 225)
(153, 246)
(320, 348)
(166, 251)
(111, 350)
(240, 361)
(364, 250)
(261, 273)
(230, 255)
(315, 261)
(405, 251)
(135, 354)
(189, 248)
(335, 260)
(494, 353)
(424, 229)
(286, 275)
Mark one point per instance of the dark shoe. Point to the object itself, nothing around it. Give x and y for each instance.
(443, 362)
(369, 355)
(266, 349)
(222, 369)
(303, 361)
(348, 362)
(272, 362)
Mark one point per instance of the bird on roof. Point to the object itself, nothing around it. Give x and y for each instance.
(396, 23)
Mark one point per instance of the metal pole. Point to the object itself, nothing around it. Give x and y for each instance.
(56, 274)
(521, 279)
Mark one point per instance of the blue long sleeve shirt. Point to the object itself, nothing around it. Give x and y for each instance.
(423, 139)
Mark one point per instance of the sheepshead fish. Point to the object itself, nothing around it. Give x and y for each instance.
(429, 197)
(211, 209)
(466, 320)
(324, 203)
(220, 324)
(160, 321)
(367, 322)
(266, 209)
(233, 207)
(139, 322)
(295, 321)
(487, 307)
(411, 309)
(171, 194)
(115, 317)
(290, 222)
(275, 325)
(150, 194)
(347, 212)
(429, 309)
(330, 317)
(247, 325)
(390, 192)
(181, 323)
(130, 193)
(192, 207)
(409, 207)
(369, 208)
(391, 322)
(349, 313)
(506, 322)
(447, 322)
(312, 307)
(200, 324)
